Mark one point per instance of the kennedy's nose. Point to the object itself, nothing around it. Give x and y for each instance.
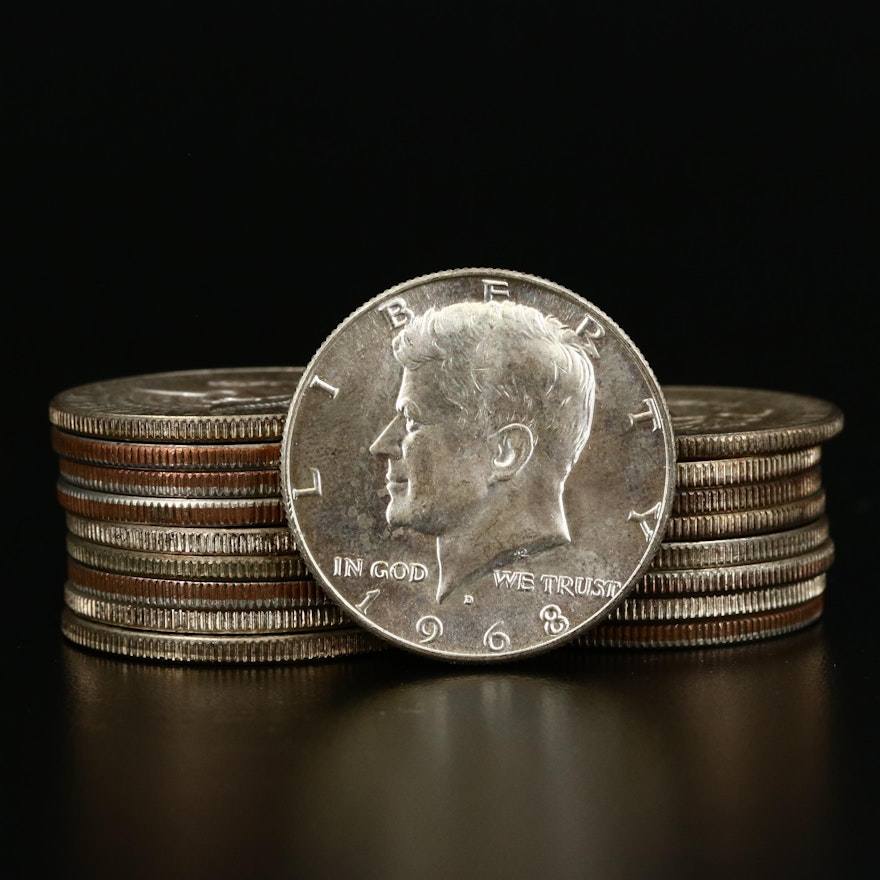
(388, 442)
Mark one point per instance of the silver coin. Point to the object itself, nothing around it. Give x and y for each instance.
(221, 541)
(243, 404)
(284, 647)
(478, 465)
(721, 422)
(187, 566)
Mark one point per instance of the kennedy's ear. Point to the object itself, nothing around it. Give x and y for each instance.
(513, 445)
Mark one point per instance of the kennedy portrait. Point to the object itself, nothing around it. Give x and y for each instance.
(493, 410)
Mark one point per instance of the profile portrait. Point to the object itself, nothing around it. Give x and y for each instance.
(493, 410)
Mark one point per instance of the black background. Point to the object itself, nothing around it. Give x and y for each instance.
(221, 188)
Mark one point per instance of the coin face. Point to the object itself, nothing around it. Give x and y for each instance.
(478, 465)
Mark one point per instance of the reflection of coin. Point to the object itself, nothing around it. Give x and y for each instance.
(246, 404)
(720, 422)
(478, 464)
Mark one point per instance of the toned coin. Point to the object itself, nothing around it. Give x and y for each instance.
(167, 456)
(226, 540)
(720, 422)
(208, 648)
(704, 633)
(187, 593)
(478, 464)
(171, 484)
(245, 404)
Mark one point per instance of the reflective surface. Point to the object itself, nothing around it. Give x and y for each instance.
(679, 763)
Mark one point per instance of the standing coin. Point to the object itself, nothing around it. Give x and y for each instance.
(478, 465)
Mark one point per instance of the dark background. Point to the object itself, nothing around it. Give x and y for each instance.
(221, 188)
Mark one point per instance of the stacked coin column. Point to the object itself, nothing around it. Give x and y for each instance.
(180, 550)
(747, 544)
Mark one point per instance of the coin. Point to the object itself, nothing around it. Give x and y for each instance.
(224, 540)
(224, 648)
(734, 578)
(156, 510)
(166, 456)
(187, 593)
(710, 632)
(238, 404)
(208, 567)
(478, 464)
(747, 496)
(720, 422)
(173, 618)
(742, 550)
(171, 484)
(751, 521)
(705, 473)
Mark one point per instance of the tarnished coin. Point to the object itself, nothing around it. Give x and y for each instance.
(707, 632)
(721, 422)
(167, 456)
(185, 593)
(478, 465)
(243, 404)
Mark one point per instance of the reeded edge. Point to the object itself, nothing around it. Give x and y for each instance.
(217, 649)
(741, 550)
(651, 549)
(702, 633)
(203, 620)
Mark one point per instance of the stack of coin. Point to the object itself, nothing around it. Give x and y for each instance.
(747, 545)
(178, 547)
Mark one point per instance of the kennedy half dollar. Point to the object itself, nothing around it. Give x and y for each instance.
(478, 465)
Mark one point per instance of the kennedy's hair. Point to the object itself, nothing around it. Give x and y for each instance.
(503, 362)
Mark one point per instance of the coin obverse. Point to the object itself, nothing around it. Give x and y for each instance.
(478, 465)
